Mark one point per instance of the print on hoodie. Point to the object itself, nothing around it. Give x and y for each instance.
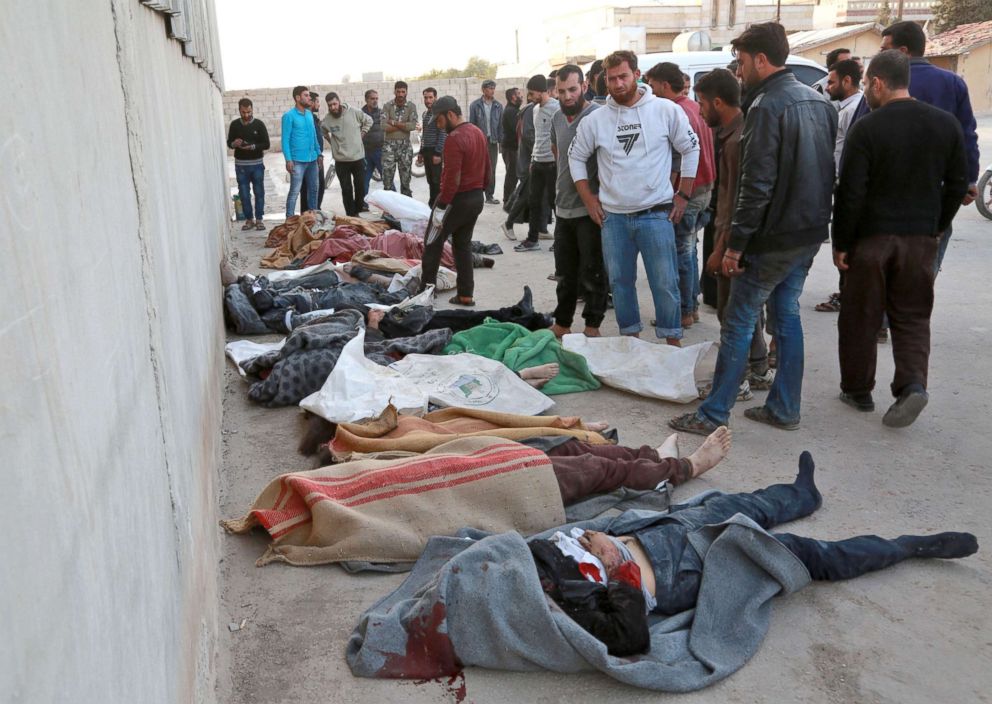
(633, 148)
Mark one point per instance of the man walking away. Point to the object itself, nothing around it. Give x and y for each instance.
(486, 113)
(300, 148)
(431, 147)
(886, 233)
(399, 119)
(667, 81)
(632, 140)
(372, 141)
(345, 127)
(509, 144)
(542, 162)
(944, 90)
(578, 244)
(463, 180)
(249, 139)
(719, 95)
(781, 218)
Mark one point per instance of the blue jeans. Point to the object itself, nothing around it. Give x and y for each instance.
(776, 277)
(373, 160)
(651, 235)
(945, 238)
(251, 178)
(693, 220)
(304, 176)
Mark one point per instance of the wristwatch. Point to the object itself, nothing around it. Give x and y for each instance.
(683, 196)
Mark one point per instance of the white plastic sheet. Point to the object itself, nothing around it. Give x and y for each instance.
(646, 369)
(470, 381)
(424, 298)
(293, 274)
(358, 388)
(446, 278)
(244, 350)
(412, 214)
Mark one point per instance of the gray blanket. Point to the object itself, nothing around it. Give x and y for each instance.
(475, 600)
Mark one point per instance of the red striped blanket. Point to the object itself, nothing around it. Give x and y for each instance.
(384, 510)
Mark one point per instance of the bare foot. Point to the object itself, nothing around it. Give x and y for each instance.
(669, 448)
(674, 342)
(597, 426)
(591, 332)
(560, 331)
(374, 317)
(688, 320)
(539, 376)
(712, 451)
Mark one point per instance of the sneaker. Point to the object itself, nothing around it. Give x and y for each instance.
(883, 336)
(555, 277)
(861, 402)
(507, 231)
(761, 382)
(692, 423)
(907, 407)
(743, 392)
(527, 246)
(763, 415)
(545, 236)
(492, 201)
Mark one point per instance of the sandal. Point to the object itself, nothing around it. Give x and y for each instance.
(692, 423)
(763, 415)
(249, 224)
(459, 301)
(831, 305)
(259, 225)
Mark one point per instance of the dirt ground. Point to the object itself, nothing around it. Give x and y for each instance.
(919, 632)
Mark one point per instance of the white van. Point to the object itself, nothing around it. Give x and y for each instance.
(696, 63)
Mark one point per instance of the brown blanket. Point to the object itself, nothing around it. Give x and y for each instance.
(392, 432)
(385, 510)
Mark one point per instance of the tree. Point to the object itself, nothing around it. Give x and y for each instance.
(476, 67)
(949, 14)
(884, 14)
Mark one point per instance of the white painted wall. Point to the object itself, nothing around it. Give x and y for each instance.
(112, 212)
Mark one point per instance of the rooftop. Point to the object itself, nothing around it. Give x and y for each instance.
(961, 39)
(812, 38)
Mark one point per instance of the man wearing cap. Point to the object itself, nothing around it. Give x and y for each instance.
(486, 113)
(465, 176)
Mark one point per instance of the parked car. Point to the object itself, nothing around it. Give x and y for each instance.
(697, 63)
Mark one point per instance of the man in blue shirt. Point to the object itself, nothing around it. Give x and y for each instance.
(942, 89)
(300, 149)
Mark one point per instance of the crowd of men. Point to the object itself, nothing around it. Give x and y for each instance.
(629, 167)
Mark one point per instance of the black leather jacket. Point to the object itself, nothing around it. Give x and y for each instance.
(787, 167)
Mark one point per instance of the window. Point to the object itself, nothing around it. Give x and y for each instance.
(808, 74)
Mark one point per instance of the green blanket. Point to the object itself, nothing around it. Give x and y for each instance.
(519, 348)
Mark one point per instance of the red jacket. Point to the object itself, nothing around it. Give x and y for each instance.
(706, 172)
(466, 163)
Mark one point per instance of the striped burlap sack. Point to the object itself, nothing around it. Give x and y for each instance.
(377, 510)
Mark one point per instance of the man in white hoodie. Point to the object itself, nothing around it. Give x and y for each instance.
(633, 141)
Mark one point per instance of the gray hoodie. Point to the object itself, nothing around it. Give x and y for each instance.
(633, 149)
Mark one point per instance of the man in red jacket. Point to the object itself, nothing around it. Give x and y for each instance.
(463, 182)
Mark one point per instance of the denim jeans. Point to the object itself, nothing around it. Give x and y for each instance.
(945, 238)
(693, 220)
(304, 176)
(251, 178)
(776, 277)
(651, 235)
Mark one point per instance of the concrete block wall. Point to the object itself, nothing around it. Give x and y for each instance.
(112, 220)
(270, 103)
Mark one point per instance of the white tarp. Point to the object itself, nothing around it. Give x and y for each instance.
(243, 350)
(412, 214)
(644, 368)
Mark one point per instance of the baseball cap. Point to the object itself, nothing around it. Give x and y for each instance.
(444, 104)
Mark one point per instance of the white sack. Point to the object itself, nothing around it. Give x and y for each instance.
(399, 206)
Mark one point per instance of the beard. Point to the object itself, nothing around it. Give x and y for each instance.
(573, 110)
(627, 96)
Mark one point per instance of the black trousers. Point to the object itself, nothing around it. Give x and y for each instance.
(459, 223)
(579, 261)
(542, 191)
(493, 157)
(432, 172)
(510, 178)
(351, 174)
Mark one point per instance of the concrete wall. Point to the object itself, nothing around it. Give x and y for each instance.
(112, 212)
(270, 103)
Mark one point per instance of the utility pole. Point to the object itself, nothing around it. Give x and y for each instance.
(899, 11)
(778, 10)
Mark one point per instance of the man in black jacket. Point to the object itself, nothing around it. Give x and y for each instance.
(249, 139)
(886, 233)
(780, 220)
(509, 145)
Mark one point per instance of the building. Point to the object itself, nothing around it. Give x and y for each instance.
(967, 51)
(832, 13)
(862, 39)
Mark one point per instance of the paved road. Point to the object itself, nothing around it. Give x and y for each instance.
(920, 632)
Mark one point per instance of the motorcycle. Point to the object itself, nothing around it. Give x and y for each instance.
(984, 200)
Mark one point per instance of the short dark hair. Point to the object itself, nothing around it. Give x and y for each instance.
(510, 93)
(596, 68)
(621, 57)
(331, 96)
(400, 84)
(720, 83)
(667, 72)
(538, 82)
(570, 70)
(849, 68)
(834, 54)
(601, 83)
(244, 103)
(553, 74)
(314, 94)
(766, 38)
(369, 92)
(907, 34)
(429, 90)
(892, 67)
(299, 90)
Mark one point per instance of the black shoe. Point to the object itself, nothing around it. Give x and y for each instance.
(527, 246)
(861, 402)
(907, 407)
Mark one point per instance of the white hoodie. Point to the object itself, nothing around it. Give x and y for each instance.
(633, 148)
